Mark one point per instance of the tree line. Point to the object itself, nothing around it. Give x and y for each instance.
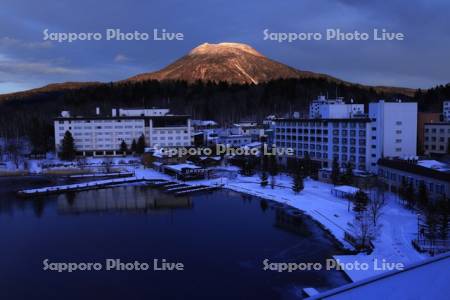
(32, 115)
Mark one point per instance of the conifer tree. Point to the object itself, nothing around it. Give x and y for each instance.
(335, 172)
(409, 195)
(422, 196)
(307, 165)
(123, 147)
(68, 151)
(140, 147)
(264, 179)
(273, 170)
(133, 146)
(347, 177)
(298, 184)
(361, 199)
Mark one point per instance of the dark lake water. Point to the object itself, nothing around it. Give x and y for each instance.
(221, 238)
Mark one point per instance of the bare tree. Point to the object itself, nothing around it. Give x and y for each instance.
(81, 162)
(107, 163)
(363, 230)
(376, 204)
(14, 149)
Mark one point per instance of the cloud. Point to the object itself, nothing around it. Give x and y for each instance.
(7, 42)
(419, 61)
(121, 58)
(24, 67)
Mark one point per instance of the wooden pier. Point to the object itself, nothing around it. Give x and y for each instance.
(103, 175)
(196, 188)
(177, 188)
(77, 187)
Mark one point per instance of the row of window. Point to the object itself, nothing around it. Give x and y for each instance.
(433, 147)
(162, 138)
(433, 139)
(434, 130)
(342, 149)
(97, 121)
(398, 179)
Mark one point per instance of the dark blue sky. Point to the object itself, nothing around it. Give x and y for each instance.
(421, 60)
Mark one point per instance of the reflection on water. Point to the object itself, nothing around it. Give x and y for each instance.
(121, 199)
(292, 220)
(222, 238)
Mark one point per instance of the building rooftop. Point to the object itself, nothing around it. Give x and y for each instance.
(355, 119)
(415, 168)
(107, 117)
(438, 123)
(427, 279)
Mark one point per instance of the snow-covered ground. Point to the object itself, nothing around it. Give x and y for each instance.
(397, 230)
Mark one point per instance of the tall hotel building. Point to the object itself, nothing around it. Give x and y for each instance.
(446, 110)
(102, 135)
(345, 132)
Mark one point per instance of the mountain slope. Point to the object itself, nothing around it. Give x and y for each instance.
(50, 88)
(232, 62)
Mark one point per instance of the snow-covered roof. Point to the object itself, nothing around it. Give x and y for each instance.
(204, 123)
(346, 189)
(179, 167)
(434, 164)
(210, 157)
(253, 145)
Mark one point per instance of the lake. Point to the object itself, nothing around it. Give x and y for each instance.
(221, 238)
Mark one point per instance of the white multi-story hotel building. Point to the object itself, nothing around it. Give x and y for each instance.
(325, 139)
(102, 135)
(394, 130)
(446, 110)
(389, 130)
(334, 108)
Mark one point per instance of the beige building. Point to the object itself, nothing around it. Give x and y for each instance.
(424, 118)
(437, 138)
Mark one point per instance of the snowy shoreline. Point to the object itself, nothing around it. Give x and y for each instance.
(398, 225)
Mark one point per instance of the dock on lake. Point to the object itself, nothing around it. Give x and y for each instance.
(168, 186)
(76, 187)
